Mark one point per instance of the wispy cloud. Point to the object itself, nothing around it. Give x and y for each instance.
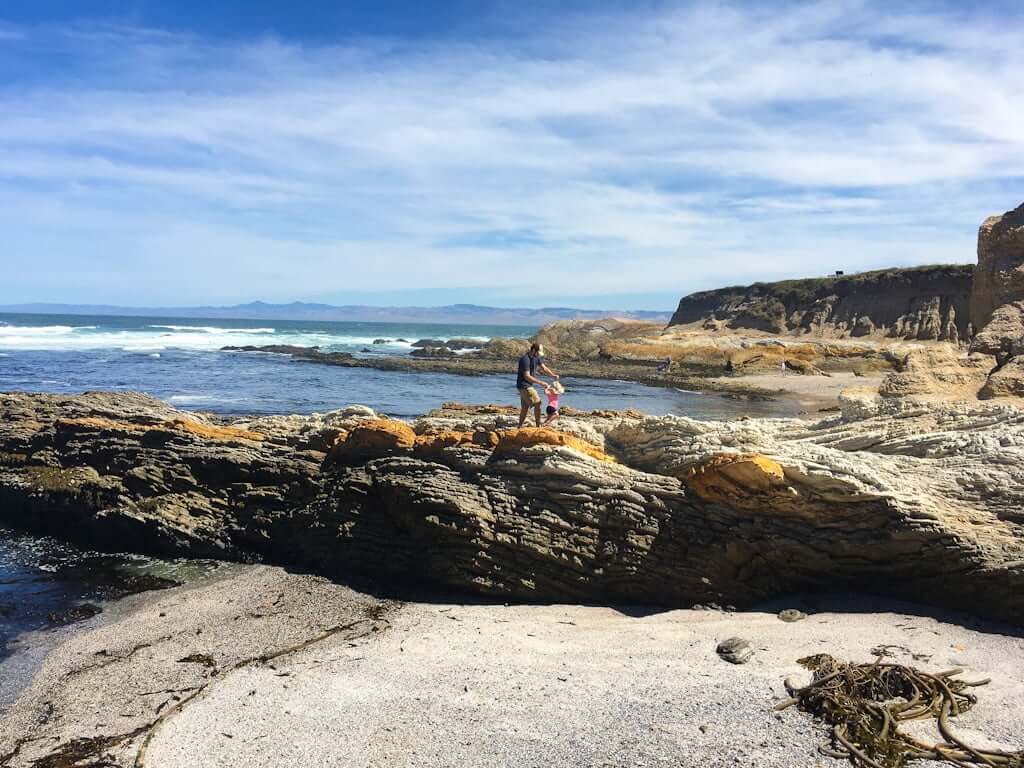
(650, 153)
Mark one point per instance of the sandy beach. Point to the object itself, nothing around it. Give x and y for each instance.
(812, 393)
(260, 667)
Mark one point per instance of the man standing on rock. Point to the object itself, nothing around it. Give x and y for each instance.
(529, 364)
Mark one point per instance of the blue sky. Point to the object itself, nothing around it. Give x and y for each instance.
(613, 155)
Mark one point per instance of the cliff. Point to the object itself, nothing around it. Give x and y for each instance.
(892, 497)
(999, 276)
(921, 303)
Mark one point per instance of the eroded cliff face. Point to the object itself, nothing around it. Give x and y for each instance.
(920, 303)
(999, 276)
(920, 501)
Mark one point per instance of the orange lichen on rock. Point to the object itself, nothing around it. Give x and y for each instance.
(214, 432)
(208, 431)
(436, 442)
(373, 439)
(736, 476)
(514, 440)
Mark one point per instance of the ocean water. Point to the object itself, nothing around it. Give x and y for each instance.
(180, 361)
(156, 334)
(44, 583)
(48, 586)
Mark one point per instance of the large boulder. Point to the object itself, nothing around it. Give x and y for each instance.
(601, 339)
(373, 439)
(1005, 381)
(1003, 337)
(939, 371)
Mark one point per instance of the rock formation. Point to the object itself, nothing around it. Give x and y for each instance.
(941, 371)
(999, 276)
(920, 303)
(913, 500)
(997, 302)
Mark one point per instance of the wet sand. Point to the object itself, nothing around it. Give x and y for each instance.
(812, 393)
(262, 667)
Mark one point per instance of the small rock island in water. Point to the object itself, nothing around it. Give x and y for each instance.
(456, 590)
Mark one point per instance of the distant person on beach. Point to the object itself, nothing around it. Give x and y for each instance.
(553, 391)
(526, 377)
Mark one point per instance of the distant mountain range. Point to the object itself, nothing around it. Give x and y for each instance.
(468, 314)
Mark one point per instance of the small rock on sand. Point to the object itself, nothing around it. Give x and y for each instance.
(791, 615)
(735, 650)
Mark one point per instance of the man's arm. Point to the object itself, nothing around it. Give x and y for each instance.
(544, 368)
(532, 379)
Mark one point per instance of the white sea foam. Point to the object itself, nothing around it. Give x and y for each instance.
(200, 338)
(151, 339)
(211, 329)
(201, 399)
(18, 331)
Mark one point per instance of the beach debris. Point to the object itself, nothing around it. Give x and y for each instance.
(891, 651)
(865, 703)
(735, 650)
(790, 615)
(199, 658)
(74, 613)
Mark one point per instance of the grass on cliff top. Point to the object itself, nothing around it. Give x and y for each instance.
(807, 289)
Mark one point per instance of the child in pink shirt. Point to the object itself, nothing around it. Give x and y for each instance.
(553, 391)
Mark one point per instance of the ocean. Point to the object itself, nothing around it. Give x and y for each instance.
(180, 360)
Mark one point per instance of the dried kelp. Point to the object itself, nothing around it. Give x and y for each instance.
(865, 703)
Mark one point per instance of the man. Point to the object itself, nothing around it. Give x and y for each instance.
(529, 365)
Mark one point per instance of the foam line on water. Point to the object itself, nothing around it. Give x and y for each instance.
(211, 329)
(152, 339)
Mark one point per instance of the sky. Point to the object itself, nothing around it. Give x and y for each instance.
(612, 155)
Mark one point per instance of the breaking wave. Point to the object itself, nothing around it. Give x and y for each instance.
(155, 338)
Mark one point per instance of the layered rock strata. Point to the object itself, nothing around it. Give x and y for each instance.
(999, 276)
(920, 303)
(922, 501)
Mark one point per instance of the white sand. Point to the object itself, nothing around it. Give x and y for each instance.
(480, 685)
(812, 392)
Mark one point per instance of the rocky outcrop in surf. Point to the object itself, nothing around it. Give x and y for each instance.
(917, 500)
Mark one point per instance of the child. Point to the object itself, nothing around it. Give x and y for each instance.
(553, 391)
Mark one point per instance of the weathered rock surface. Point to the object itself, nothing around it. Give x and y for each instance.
(303, 353)
(735, 650)
(999, 276)
(938, 372)
(920, 303)
(997, 302)
(922, 501)
(441, 351)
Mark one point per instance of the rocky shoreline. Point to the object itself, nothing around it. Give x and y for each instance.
(965, 323)
(893, 496)
(641, 372)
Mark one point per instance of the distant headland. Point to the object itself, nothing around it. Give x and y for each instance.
(472, 314)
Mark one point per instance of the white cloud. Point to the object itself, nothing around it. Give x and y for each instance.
(618, 153)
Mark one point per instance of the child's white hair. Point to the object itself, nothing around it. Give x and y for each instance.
(557, 386)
